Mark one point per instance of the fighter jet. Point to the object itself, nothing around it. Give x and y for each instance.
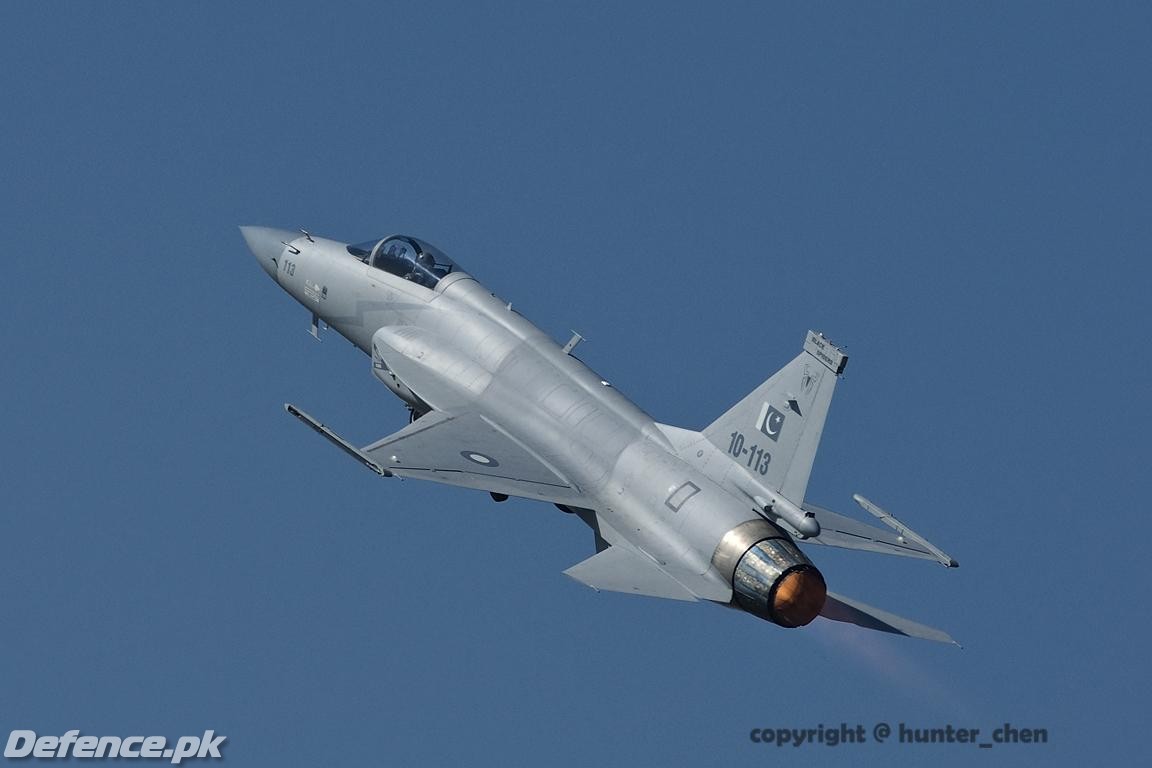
(496, 405)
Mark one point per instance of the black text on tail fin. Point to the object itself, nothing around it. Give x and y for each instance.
(774, 431)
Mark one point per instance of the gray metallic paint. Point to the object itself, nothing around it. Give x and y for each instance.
(492, 377)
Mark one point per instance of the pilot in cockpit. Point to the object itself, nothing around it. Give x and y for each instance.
(422, 273)
(415, 262)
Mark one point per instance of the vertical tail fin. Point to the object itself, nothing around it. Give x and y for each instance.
(773, 432)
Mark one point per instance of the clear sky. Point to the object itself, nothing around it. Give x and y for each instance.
(958, 193)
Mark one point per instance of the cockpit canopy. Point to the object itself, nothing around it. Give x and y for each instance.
(407, 258)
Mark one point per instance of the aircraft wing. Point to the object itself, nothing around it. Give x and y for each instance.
(837, 530)
(840, 608)
(469, 451)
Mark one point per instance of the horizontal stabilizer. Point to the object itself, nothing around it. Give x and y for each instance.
(905, 533)
(837, 530)
(620, 569)
(840, 608)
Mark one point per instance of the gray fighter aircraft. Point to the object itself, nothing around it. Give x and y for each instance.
(498, 406)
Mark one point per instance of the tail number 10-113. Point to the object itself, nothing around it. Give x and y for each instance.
(756, 458)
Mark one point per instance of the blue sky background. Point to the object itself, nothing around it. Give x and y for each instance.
(957, 193)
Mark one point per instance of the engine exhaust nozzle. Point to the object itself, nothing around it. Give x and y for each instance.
(770, 577)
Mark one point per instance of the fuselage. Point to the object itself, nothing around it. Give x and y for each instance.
(442, 341)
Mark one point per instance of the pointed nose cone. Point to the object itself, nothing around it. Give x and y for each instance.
(266, 245)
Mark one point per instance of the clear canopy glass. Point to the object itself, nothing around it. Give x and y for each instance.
(407, 258)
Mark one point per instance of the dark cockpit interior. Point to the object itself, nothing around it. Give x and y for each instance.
(407, 258)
